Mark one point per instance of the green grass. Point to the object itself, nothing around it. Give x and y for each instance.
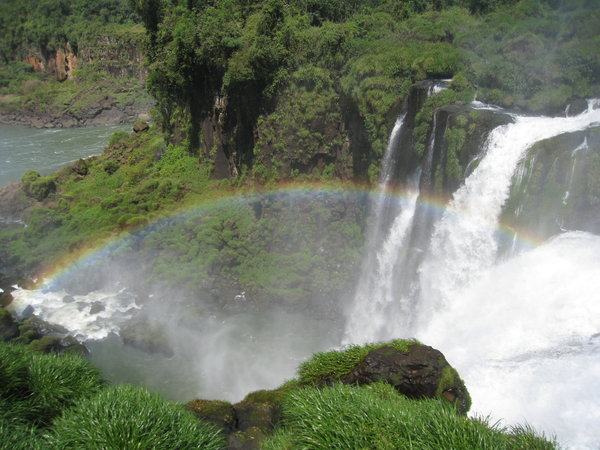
(377, 417)
(37, 387)
(128, 417)
(334, 365)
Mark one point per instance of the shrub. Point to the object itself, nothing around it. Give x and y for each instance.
(129, 417)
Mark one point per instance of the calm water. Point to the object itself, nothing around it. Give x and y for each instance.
(46, 150)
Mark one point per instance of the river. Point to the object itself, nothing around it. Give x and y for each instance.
(46, 150)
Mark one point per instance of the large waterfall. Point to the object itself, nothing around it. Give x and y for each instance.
(522, 330)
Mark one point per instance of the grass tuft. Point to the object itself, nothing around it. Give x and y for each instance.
(377, 417)
(129, 417)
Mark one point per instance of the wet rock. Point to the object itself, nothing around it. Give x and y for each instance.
(148, 337)
(27, 312)
(576, 107)
(6, 299)
(217, 412)
(246, 440)
(68, 299)
(97, 307)
(420, 372)
(44, 327)
(262, 415)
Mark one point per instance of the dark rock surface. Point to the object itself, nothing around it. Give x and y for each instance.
(219, 413)
(422, 372)
(38, 335)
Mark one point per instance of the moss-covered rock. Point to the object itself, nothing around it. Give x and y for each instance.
(246, 440)
(414, 369)
(219, 413)
(147, 336)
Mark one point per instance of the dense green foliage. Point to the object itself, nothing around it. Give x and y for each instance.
(127, 417)
(50, 24)
(377, 417)
(96, 46)
(254, 243)
(301, 78)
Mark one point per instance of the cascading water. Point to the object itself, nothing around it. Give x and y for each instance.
(514, 329)
(387, 240)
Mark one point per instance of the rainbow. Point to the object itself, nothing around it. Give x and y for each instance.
(100, 249)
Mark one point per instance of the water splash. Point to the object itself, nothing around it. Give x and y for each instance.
(464, 241)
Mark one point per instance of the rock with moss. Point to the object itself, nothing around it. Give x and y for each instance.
(217, 412)
(257, 414)
(249, 439)
(420, 372)
(146, 336)
(140, 126)
(414, 369)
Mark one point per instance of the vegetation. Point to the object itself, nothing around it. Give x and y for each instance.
(334, 365)
(51, 401)
(306, 78)
(252, 243)
(376, 416)
(96, 46)
(125, 416)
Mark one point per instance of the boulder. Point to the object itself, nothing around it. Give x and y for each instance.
(216, 412)
(147, 336)
(246, 440)
(140, 126)
(6, 299)
(576, 107)
(420, 372)
(262, 415)
(97, 307)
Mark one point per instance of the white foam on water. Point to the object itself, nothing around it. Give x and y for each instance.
(76, 314)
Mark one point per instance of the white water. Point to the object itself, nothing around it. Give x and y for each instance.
(74, 312)
(464, 242)
(522, 338)
(522, 332)
(374, 293)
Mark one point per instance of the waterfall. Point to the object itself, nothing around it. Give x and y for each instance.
(384, 243)
(523, 331)
(464, 242)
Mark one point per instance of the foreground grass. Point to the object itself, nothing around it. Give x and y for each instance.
(51, 401)
(377, 417)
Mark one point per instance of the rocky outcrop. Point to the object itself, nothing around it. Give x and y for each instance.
(100, 112)
(38, 335)
(60, 64)
(420, 372)
(414, 370)
(556, 187)
(247, 423)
